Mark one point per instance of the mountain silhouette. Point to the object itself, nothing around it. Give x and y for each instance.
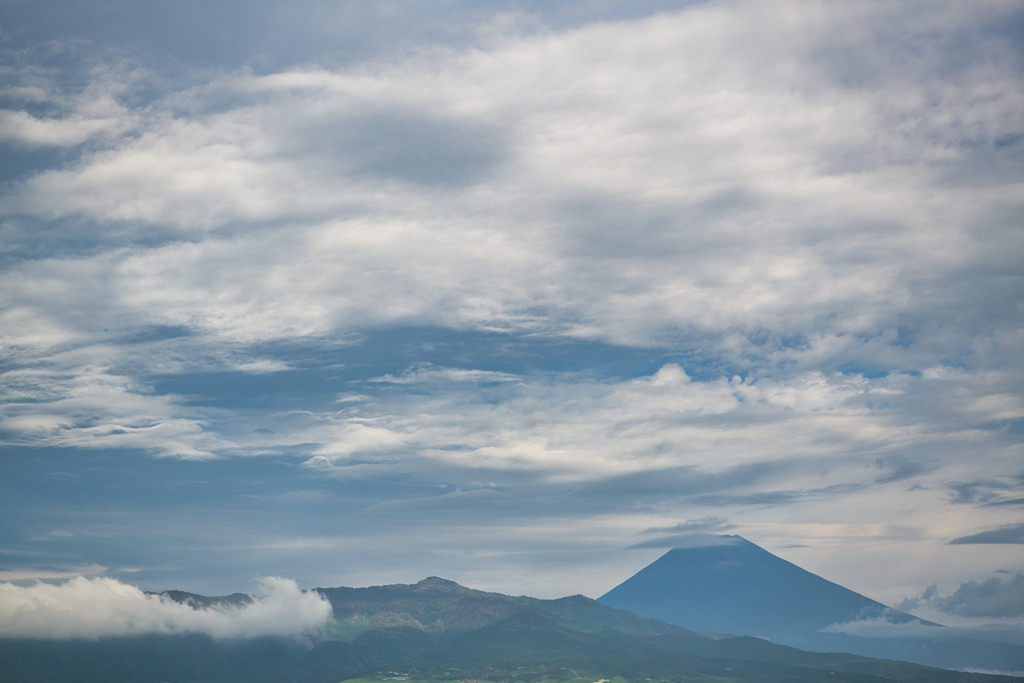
(730, 585)
(437, 630)
(738, 587)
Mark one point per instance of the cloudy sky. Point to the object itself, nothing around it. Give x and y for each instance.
(519, 295)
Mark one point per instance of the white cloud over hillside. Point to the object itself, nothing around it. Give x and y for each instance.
(96, 607)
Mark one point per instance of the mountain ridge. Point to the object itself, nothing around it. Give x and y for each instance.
(437, 630)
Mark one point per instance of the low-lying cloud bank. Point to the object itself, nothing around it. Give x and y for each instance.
(96, 607)
(994, 597)
(1004, 631)
(988, 610)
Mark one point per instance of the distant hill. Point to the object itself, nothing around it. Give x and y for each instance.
(200, 601)
(439, 631)
(735, 586)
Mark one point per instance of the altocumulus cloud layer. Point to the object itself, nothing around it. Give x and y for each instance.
(98, 607)
(570, 273)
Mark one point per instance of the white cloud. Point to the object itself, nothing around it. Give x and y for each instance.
(761, 194)
(90, 112)
(99, 607)
(23, 127)
(805, 194)
(587, 430)
(92, 407)
(353, 437)
(427, 373)
(814, 391)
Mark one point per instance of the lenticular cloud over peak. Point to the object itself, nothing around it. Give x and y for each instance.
(97, 607)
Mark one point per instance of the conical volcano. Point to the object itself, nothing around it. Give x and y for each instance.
(735, 586)
(727, 584)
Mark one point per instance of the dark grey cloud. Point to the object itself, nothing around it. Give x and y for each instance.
(909, 49)
(772, 498)
(408, 146)
(910, 604)
(995, 491)
(700, 525)
(1013, 533)
(896, 468)
(689, 481)
(694, 540)
(741, 485)
(265, 34)
(693, 532)
(993, 597)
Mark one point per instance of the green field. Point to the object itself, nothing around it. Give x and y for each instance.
(389, 677)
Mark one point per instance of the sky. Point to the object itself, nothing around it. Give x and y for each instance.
(519, 294)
